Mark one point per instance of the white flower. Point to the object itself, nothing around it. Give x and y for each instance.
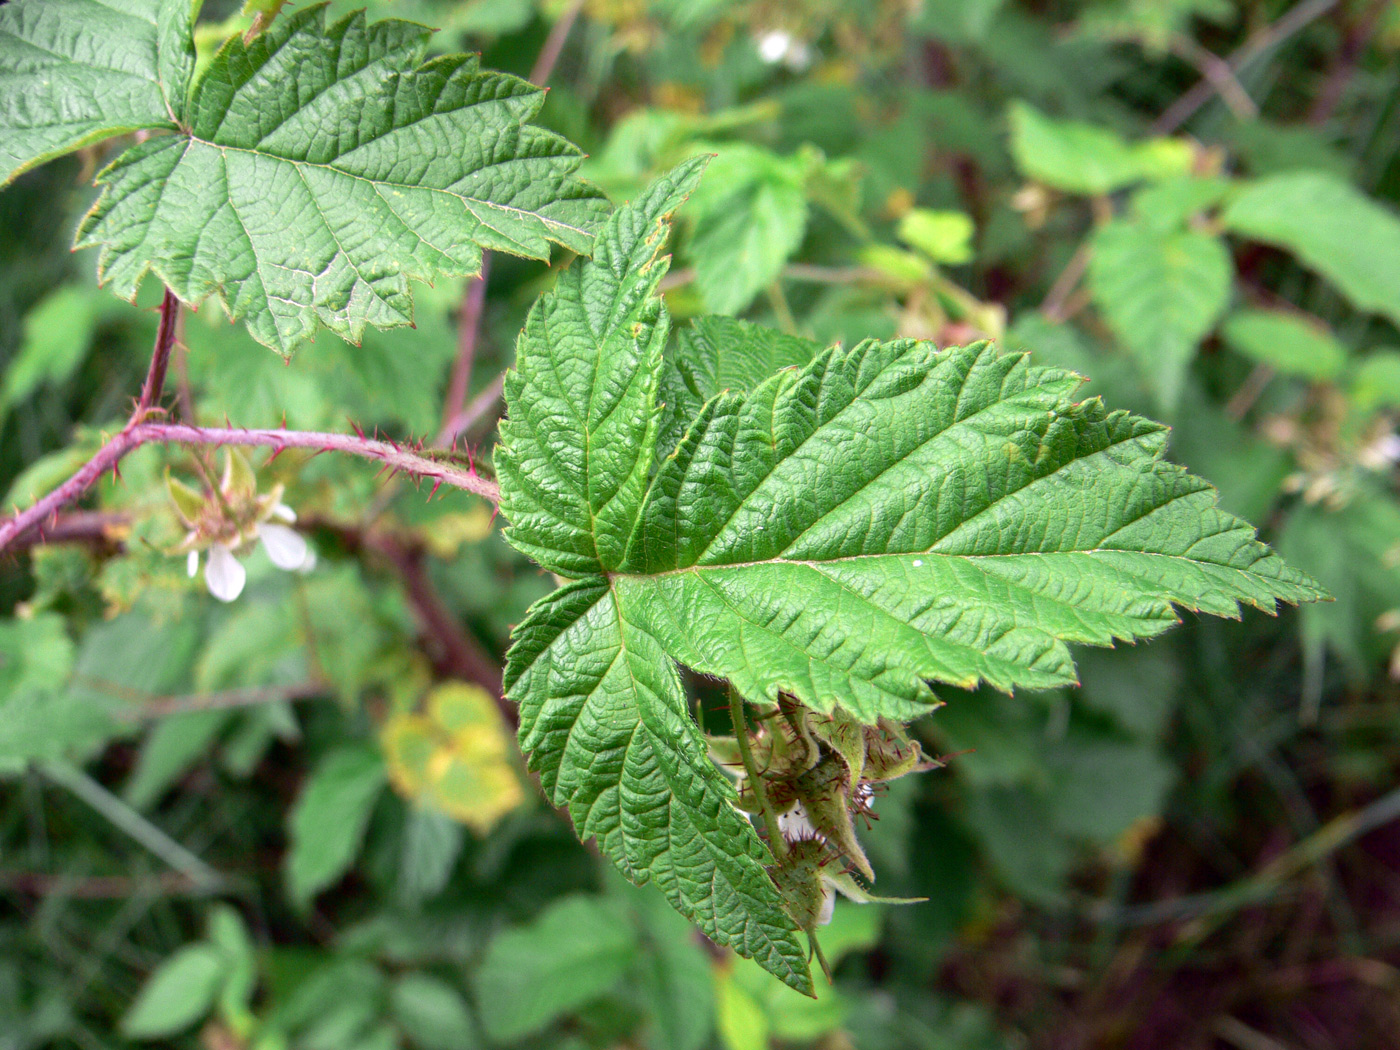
(796, 826)
(778, 45)
(773, 45)
(286, 548)
(224, 575)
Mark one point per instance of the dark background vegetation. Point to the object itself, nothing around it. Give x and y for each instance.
(1198, 847)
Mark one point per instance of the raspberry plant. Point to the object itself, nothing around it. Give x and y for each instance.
(831, 531)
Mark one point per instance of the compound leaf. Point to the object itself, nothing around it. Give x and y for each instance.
(577, 447)
(894, 514)
(318, 169)
(844, 533)
(79, 71)
(604, 720)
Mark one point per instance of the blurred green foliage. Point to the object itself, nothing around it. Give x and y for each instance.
(237, 826)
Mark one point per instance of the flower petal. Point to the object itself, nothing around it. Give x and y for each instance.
(192, 563)
(282, 512)
(225, 574)
(286, 548)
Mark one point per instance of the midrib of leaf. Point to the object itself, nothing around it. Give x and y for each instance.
(1029, 392)
(376, 183)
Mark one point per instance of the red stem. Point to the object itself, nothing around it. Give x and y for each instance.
(135, 435)
(160, 356)
(468, 332)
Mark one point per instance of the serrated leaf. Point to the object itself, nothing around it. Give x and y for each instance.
(1287, 343)
(319, 169)
(843, 533)
(605, 723)
(577, 446)
(78, 71)
(1161, 293)
(892, 514)
(1333, 228)
(722, 353)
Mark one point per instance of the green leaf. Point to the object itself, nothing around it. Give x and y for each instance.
(328, 822)
(432, 1012)
(292, 224)
(750, 217)
(605, 723)
(78, 71)
(893, 514)
(722, 353)
(1287, 343)
(575, 951)
(178, 994)
(844, 533)
(58, 332)
(1161, 293)
(577, 448)
(1086, 158)
(1375, 383)
(1333, 228)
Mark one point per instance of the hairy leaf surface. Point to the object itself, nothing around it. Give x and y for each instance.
(577, 448)
(605, 722)
(893, 514)
(318, 169)
(845, 533)
(78, 71)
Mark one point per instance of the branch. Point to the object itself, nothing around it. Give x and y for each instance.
(480, 405)
(442, 471)
(554, 44)
(1268, 38)
(223, 700)
(160, 356)
(454, 407)
(468, 333)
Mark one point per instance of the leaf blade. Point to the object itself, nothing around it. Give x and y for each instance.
(982, 522)
(577, 447)
(79, 71)
(604, 721)
(293, 226)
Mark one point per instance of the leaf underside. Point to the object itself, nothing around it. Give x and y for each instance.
(312, 174)
(845, 533)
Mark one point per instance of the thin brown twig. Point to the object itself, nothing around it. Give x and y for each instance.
(1220, 74)
(1055, 305)
(554, 44)
(476, 410)
(1259, 44)
(454, 407)
(1348, 59)
(468, 335)
(223, 700)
